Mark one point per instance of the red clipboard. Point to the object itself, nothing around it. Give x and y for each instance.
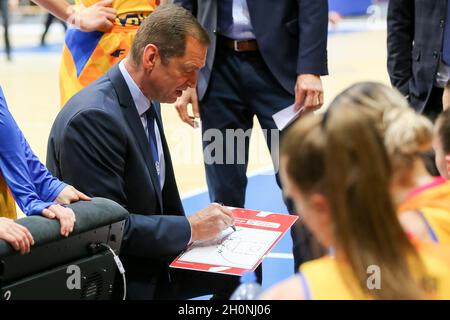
(241, 251)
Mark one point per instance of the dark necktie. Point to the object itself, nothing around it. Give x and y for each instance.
(446, 42)
(150, 113)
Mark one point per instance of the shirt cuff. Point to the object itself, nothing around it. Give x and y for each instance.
(38, 208)
(57, 191)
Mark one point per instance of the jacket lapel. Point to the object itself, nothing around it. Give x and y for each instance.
(135, 124)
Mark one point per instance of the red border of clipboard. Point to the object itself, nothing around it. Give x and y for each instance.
(242, 216)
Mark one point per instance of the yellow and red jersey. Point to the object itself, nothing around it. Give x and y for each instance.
(88, 55)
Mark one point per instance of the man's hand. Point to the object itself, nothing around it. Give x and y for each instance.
(98, 17)
(308, 92)
(189, 96)
(446, 97)
(16, 235)
(208, 223)
(66, 217)
(69, 195)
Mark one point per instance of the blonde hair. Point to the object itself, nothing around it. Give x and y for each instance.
(342, 156)
(407, 133)
(376, 99)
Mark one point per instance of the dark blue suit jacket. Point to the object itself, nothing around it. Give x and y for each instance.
(291, 35)
(98, 145)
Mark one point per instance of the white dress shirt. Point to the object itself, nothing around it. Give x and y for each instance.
(142, 105)
(241, 27)
(443, 75)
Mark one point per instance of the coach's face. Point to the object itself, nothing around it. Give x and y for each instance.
(165, 81)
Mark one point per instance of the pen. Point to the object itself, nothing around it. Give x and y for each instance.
(196, 125)
(232, 226)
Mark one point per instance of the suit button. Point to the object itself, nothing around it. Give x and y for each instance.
(442, 23)
(435, 54)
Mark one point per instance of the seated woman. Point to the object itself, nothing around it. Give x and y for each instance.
(36, 191)
(336, 170)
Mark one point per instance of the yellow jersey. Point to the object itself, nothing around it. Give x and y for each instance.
(323, 279)
(7, 203)
(432, 201)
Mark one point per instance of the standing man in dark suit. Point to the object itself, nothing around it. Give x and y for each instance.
(419, 51)
(108, 141)
(264, 56)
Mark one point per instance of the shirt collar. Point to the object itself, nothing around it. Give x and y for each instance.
(142, 102)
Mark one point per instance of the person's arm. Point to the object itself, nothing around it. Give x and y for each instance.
(15, 171)
(49, 188)
(92, 157)
(400, 35)
(312, 53)
(46, 185)
(98, 17)
(14, 166)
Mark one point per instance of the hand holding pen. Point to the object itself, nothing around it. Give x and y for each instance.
(209, 223)
(232, 226)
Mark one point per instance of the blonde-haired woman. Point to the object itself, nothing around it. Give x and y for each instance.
(336, 170)
(423, 200)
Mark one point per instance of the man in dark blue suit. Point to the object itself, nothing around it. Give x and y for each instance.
(109, 142)
(264, 56)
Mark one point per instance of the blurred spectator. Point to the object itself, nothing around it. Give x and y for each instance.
(4, 10)
(48, 22)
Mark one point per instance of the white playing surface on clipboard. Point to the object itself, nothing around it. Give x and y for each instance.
(240, 249)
